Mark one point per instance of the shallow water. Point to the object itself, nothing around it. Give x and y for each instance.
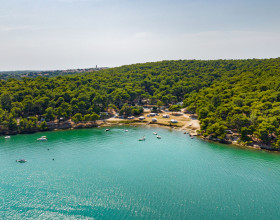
(111, 175)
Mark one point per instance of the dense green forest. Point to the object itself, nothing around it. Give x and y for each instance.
(241, 95)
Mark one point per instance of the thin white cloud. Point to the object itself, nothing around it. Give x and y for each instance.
(15, 28)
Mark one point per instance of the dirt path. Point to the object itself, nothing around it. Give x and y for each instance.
(192, 125)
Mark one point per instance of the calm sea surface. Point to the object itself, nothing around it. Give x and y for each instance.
(111, 175)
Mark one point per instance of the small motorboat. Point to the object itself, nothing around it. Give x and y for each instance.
(7, 137)
(21, 161)
(43, 138)
(158, 137)
(142, 139)
(126, 130)
(155, 133)
(107, 129)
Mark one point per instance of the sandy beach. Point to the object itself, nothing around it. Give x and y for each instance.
(185, 122)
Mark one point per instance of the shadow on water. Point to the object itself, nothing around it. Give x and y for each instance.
(75, 211)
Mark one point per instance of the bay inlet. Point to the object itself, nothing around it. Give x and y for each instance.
(111, 175)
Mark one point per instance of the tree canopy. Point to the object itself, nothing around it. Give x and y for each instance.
(242, 95)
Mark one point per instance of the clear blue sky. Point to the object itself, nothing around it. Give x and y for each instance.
(62, 34)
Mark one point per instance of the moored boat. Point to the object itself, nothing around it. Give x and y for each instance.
(21, 161)
(43, 138)
(142, 139)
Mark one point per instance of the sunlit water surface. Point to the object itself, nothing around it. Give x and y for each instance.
(111, 175)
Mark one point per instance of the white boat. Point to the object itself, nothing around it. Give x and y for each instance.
(158, 137)
(107, 129)
(126, 130)
(7, 137)
(43, 138)
(155, 133)
(21, 161)
(142, 139)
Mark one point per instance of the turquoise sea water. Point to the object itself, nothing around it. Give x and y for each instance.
(111, 175)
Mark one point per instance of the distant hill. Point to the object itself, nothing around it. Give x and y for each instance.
(45, 73)
(239, 97)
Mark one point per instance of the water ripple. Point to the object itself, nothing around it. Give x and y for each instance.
(111, 175)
